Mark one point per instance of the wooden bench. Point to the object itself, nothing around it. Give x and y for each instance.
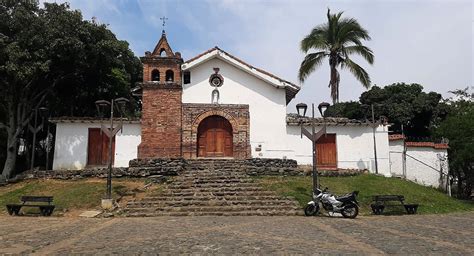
(380, 202)
(33, 201)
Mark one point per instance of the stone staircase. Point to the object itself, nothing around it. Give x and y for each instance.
(213, 187)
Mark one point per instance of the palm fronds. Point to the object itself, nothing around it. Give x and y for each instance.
(338, 39)
(310, 63)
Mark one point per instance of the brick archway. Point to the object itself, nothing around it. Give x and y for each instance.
(215, 137)
(209, 113)
(237, 115)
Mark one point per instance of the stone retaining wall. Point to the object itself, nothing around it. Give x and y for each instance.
(272, 167)
(133, 172)
(174, 166)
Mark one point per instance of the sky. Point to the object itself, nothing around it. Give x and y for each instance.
(429, 42)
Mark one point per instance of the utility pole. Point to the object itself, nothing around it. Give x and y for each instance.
(313, 142)
(404, 155)
(375, 144)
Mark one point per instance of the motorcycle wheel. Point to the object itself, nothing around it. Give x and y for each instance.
(350, 211)
(311, 210)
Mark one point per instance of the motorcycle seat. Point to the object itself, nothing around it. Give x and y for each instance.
(344, 198)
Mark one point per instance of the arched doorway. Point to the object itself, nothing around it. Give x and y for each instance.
(215, 137)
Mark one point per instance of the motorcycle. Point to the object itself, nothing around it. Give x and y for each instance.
(348, 206)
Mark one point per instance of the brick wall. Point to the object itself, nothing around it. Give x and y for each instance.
(162, 65)
(161, 120)
(237, 115)
(161, 104)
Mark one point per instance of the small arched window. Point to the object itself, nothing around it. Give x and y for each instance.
(169, 75)
(162, 52)
(155, 75)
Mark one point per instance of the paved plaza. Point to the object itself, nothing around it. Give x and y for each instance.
(418, 234)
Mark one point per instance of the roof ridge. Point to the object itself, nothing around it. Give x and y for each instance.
(244, 63)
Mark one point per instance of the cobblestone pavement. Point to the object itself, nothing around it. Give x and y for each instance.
(418, 234)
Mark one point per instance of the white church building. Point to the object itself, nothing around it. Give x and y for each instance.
(217, 106)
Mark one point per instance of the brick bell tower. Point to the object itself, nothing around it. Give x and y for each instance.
(161, 102)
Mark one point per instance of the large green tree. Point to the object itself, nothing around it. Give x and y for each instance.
(403, 104)
(337, 40)
(51, 56)
(458, 127)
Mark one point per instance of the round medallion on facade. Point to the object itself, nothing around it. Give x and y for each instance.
(216, 80)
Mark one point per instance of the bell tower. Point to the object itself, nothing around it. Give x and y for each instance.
(161, 102)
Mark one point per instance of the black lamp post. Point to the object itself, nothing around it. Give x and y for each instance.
(102, 106)
(313, 136)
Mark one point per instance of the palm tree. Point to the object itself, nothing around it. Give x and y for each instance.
(337, 39)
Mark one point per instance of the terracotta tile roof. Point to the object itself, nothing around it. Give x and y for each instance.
(294, 119)
(69, 119)
(419, 144)
(428, 144)
(200, 55)
(441, 145)
(396, 137)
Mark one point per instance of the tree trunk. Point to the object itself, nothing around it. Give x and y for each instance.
(12, 142)
(334, 82)
(10, 161)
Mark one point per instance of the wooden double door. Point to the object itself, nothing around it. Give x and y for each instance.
(326, 152)
(98, 148)
(215, 137)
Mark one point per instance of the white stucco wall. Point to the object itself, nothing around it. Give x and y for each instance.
(267, 104)
(396, 159)
(422, 164)
(70, 149)
(355, 147)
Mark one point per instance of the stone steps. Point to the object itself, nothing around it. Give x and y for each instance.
(216, 178)
(180, 203)
(242, 213)
(213, 181)
(213, 187)
(224, 177)
(199, 201)
(237, 208)
(218, 193)
(212, 197)
(215, 190)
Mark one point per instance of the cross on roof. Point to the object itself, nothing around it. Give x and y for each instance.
(164, 21)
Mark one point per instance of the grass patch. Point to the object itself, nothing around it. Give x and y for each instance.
(71, 195)
(430, 200)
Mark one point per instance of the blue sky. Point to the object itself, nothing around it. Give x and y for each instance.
(424, 41)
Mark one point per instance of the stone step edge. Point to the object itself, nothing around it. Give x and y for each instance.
(210, 203)
(218, 213)
(213, 208)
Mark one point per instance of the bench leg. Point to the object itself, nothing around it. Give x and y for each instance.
(13, 210)
(377, 209)
(46, 211)
(50, 211)
(411, 209)
(380, 209)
